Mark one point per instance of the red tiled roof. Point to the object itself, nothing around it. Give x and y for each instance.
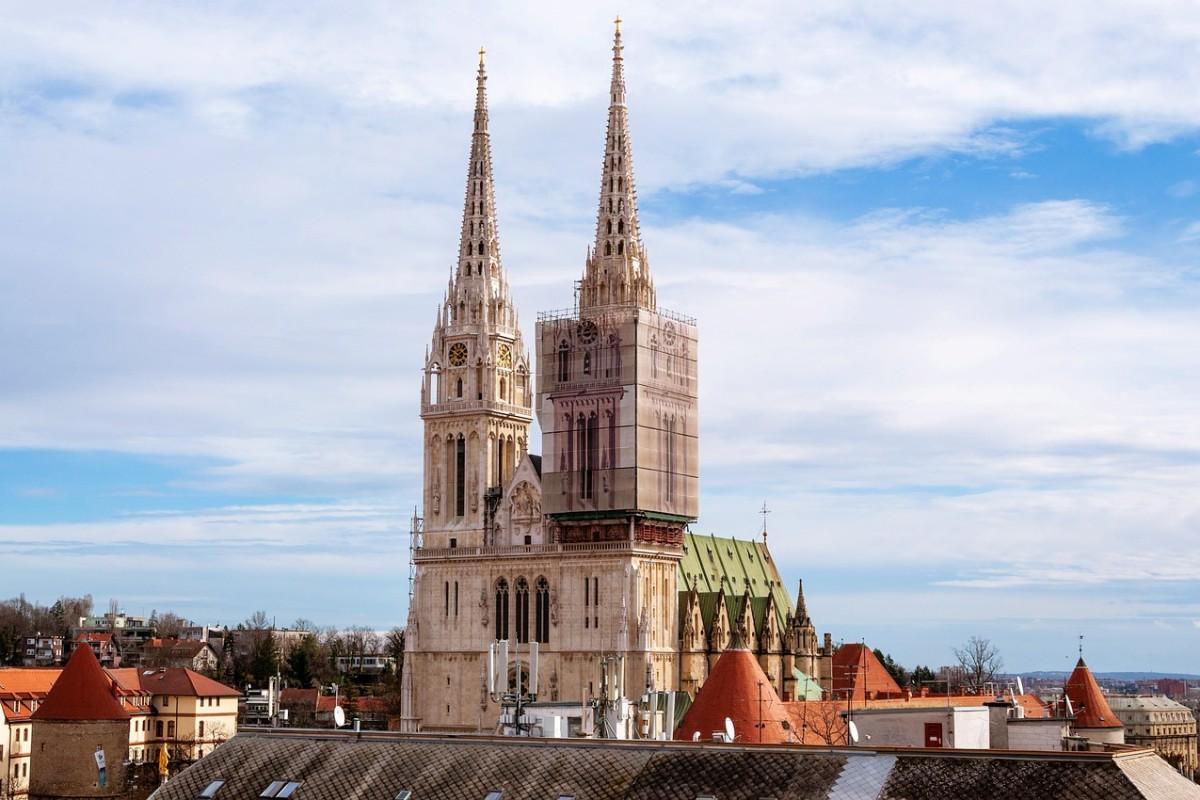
(325, 703)
(82, 692)
(298, 697)
(26, 687)
(1091, 709)
(370, 704)
(181, 681)
(857, 670)
(734, 689)
(92, 636)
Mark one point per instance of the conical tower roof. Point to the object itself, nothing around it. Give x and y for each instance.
(1091, 709)
(83, 692)
(736, 688)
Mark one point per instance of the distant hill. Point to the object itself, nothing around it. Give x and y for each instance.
(1052, 675)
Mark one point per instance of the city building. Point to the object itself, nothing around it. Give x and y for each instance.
(43, 650)
(103, 645)
(331, 764)
(1162, 724)
(21, 691)
(177, 708)
(191, 714)
(194, 654)
(584, 549)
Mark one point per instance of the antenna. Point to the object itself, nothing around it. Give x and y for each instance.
(533, 668)
(764, 513)
(729, 731)
(1081, 647)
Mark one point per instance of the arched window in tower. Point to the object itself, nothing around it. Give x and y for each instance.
(620, 184)
(587, 363)
(479, 381)
(542, 611)
(504, 390)
(588, 450)
(522, 611)
(435, 383)
(458, 388)
(608, 248)
(621, 206)
(621, 225)
(621, 247)
(502, 609)
(479, 249)
(610, 226)
(564, 362)
(460, 477)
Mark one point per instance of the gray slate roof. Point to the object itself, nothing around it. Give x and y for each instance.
(342, 766)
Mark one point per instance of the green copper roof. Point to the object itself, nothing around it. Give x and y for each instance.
(714, 563)
(806, 686)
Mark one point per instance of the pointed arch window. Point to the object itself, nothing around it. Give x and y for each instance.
(620, 184)
(522, 610)
(460, 476)
(501, 609)
(479, 250)
(587, 363)
(610, 226)
(541, 622)
(564, 362)
(621, 225)
(621, 247)
(458, 388)
(608, 248)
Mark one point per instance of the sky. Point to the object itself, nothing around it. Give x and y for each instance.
(943, 257)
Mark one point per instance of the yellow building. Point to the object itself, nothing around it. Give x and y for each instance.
(189, 713)
(1162, 724)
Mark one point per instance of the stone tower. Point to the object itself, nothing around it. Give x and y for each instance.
(617, 383)
(476, 396)
(78, 727)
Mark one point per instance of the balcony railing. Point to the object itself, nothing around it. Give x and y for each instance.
(573, 313)
(518, 550)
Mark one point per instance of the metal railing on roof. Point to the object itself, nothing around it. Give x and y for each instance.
(573, 313)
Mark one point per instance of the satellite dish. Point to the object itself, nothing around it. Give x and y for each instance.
(729, 729)
(853, 732)
(339, 717)
(1020, 688)
(696, 736)
(1070, 711)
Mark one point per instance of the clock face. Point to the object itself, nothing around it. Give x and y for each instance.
(504, 356)
(587, 331)
(669, 334)
(458, 354)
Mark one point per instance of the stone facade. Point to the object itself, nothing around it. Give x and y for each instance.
(1162, 724)
(63, 764)
(585, 549)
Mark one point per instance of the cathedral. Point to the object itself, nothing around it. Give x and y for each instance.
(586, 549)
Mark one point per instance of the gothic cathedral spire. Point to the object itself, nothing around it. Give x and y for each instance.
(476, 398)
(617, 270)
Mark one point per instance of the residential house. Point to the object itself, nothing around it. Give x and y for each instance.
(104, 645)
(194, 654)
(43, 650)
(191, 714)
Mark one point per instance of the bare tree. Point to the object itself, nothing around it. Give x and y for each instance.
(980, 661)
(303, 624)
(169, 625)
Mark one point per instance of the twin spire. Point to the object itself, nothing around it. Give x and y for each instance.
(479, 248)
(616, 272)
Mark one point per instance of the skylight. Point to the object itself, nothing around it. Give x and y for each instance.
(281, 789)
(404, 794)
(211, 789)
(494, 794)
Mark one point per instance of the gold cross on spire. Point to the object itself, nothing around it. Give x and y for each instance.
(481, 52)
(617, 22)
